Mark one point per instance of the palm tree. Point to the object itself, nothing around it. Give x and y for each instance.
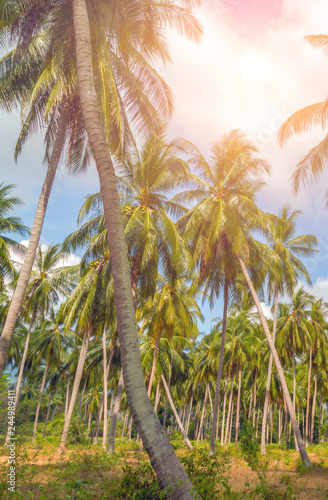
(49, 345)
(45, 81)
(225, 191)
(9, 225)
(48, 284)
(315, 162)
(284, 275)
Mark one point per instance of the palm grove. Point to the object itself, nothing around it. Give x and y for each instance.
(115, 338)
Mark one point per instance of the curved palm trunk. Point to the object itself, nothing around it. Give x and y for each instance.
(289, 403)
(75, 390)
(26, 269)
(219, 375)
(113, 421)
(268, 383)
(169, 397)
(170, 473)
(39, 402)
(254, 397)
(308, 400)
(238, 407)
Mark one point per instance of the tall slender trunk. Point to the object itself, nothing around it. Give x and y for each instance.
(105, 391)
(47, 416)
(320, 417)
(113, 420)
(89, 423)
(313, 406)
(294, 393)
(152, 374)
(280, 372)
(308, 400)
(238, 407)
(22, 366)
(67, 397)
(279, 425)
(76, 385)
(82, 395)
(224, 409)
(202, 417)
(162, 457)
(250, 408)
(231, 421)
(101, 407)
(39, 402)
(157, 397)
(255, 393)
(268, 382)
(169, 397)
(219, 374)
(229, 412)
(26, 268)
(130, 429)
(188, 416)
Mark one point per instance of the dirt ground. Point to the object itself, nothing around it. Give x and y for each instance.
(281, 474)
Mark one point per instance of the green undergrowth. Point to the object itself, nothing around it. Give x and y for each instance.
(89, 473)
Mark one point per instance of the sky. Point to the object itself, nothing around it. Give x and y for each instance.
(251, 70)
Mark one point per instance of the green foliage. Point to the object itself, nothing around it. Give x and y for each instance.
(209, 475)
(139, 483)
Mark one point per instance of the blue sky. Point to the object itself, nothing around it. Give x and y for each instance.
(251, 71)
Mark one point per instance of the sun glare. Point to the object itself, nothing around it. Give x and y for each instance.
(255, 66)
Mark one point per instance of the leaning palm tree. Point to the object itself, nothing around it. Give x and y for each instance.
(284, 275)
(41, 79)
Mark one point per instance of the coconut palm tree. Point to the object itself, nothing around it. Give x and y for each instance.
(312, 165)
(9, 225)
(283, 277)
(225, 192)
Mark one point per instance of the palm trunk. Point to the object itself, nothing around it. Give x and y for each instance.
(152, 375)
(224, 409)
(170, 473)
(157, 397)
(320, 416)
(229, 412)
(268, 383)
(313, 407)
(280, 372)
(39, 402)
(22, 366)
(308, 400)
(101, 408)
(202, 418)
(76, 385)
(231, 421)
(105, 391)
(188, 417)
(66, 398)
(169, 397)
(47, 416)
(294, 393)
(238, 408)
(82, 395)
(255, 393)
(26, 269)
(219, 374)
(113, 420)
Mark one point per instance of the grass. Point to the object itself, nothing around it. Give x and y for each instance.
(89, 473)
